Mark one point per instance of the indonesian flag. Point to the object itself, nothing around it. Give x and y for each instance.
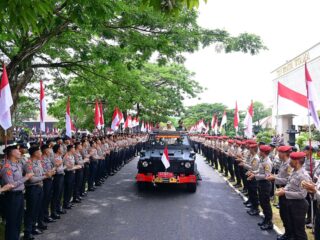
(137, 121)
(165, 158)
(312, 99)
(236, 118)
(121, 117)
(128, 122)
(68, 119)
(48, 130)
(216, 127)
(207, 128)
(143, 129)
(248, 122)
(5, 101)
(223, 120)
(213, 121)
(101, 116)
(116, 119)
(43, 108)
(34, 129)
(97, 116)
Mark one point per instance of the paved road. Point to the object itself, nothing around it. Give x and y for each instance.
(116, 211)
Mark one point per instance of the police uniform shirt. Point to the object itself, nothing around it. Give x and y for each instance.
(59, 169)
(264, 169)
(78, 159)
(11, 173)
(36, 168)
(69, 162)
(307, 165)
(47, 163)
(284, 172)
(277, 162)
(293, 189)
(254, 163)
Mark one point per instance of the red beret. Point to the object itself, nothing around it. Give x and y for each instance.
(225, 137)
(265, 148)
(253, 145)
(230, 141)
(238, 142)
(285, 149)
(251, 142)
(297, 155)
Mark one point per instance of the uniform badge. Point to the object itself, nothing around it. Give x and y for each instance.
(267, 168)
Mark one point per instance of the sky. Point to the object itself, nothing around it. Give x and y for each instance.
(287, 28)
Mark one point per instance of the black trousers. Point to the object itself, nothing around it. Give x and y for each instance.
(317, 227)
(34, 196)
(230, 166)
(13, 211)
(215, 159)
(253, 193)
(243, 177)
(77, 183)
(297, 209)
(57, 187)
(47, 196)
(93, 171)
(86, 174)
(264, 188)
(68, 187)
(219, 155)
(237, 171)
(283, 204)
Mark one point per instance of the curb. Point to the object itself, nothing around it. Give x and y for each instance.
(275, 228)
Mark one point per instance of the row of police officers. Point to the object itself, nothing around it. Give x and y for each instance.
(41, 182)
(261, 171)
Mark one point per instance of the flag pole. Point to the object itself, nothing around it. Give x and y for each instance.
(5, 143)
(277, 116)
(310, 152)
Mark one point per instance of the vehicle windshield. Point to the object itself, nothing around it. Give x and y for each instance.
(168, 139)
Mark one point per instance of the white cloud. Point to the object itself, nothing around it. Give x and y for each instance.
(286, 27)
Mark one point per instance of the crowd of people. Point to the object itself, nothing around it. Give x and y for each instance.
(43, 180)
(261, 171)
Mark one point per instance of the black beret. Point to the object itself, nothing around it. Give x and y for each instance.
(33, 149)
(9, 149)
(23, 145)
(307, 148)
(44, 147)
(69, 147)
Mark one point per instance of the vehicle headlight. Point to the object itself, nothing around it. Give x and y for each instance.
(145, 164)
(187, 165)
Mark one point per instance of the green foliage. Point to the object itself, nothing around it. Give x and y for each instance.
(102, 50)
(302, 139)
(265, 136)
(25, 110)
(260, 111)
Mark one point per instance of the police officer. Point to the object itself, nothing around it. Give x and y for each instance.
(264, 186)
(295, 195)
(79, 172)
(69, 163)
(48, 165)
(252, 166)
(281, 180)
(34, 193)
(57, 183)
(11, 174)
(86, 169)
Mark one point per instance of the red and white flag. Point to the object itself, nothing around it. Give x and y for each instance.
(5, 101)
(223, 120)
(101, 116)
(213, 121)
(143, 129)
(43, 108)
(128, 122)
(165, 158)
(68, 120)
(97, 116)
(48, 130)
(312, 99)
(248, 125)
(236, 118)
(116, 119)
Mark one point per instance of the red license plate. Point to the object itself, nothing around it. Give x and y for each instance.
(165, 174)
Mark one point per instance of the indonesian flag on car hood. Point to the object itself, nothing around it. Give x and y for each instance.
(5, 101)
(165, 158)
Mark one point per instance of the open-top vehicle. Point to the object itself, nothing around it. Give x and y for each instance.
(182, 169)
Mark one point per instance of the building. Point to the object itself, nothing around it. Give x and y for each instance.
(50, 123)
(289, 100)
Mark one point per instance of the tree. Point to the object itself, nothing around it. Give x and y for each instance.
(67, 39)
(260, 112)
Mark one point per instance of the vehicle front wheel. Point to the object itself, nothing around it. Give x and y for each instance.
(192, 187)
